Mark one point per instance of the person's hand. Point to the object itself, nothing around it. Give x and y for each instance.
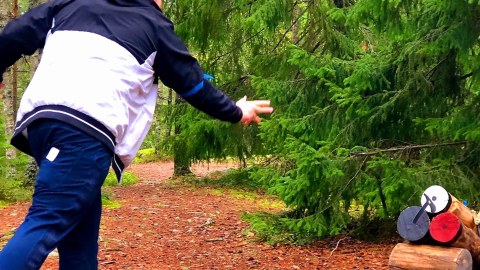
(251, 109)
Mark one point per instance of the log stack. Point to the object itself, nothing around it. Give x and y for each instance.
(442, 233)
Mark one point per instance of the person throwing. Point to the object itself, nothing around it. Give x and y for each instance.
(88, 107)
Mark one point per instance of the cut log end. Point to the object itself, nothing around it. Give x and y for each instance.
(436, 198)
(413, 224)
(445, 228)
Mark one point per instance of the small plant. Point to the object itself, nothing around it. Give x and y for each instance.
(13, 191)
(109, 203)
(232, 178)
(128, 179)
(150, 155)
(268, 228)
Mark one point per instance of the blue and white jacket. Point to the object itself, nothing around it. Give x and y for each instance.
(99, 68)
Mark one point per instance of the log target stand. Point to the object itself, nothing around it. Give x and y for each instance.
(440, 234)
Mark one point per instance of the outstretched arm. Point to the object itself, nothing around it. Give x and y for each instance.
(179, 70)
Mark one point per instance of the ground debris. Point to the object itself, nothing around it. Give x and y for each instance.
(165, 226)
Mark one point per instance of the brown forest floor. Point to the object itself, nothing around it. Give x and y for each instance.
(160, 225)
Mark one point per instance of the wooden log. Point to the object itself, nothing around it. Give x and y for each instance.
(413, 225)
(438, 200)
(425, 257)
(447, 228)
(464, 213)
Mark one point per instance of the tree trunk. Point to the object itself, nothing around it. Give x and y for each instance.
(14, 71)
(4, 17)
(157, 121)
(181, 161)
(6, 13)
(169, 112)
(32, 63)
(382, 195)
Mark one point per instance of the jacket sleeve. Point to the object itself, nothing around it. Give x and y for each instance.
(27, 33)
(179, 70)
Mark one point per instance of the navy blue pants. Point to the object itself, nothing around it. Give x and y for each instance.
(66, 204)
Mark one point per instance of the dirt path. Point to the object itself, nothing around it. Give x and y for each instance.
(163, 226)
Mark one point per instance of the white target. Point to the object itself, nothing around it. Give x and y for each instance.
(436, 198)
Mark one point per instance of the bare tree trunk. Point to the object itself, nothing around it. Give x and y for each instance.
(8, 102)
(169, 112)
(181, 163)
(32, 61)
(15, 71)
(8, 111)
(4, 13)
(4, 18)
(157, 124)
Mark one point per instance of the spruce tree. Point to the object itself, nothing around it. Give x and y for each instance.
(375, 100)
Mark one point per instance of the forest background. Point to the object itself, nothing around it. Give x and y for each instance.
(375, 101)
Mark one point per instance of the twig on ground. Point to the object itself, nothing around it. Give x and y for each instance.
(215, 239)
(338, 243)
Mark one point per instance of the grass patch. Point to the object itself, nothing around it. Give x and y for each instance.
(149, 155)
(14, 191)
(234, 183)
(217, 192)
(128, 179)
(109, 203)
(244, 195)
(236, 179)
(265, 227)
(270, 203)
